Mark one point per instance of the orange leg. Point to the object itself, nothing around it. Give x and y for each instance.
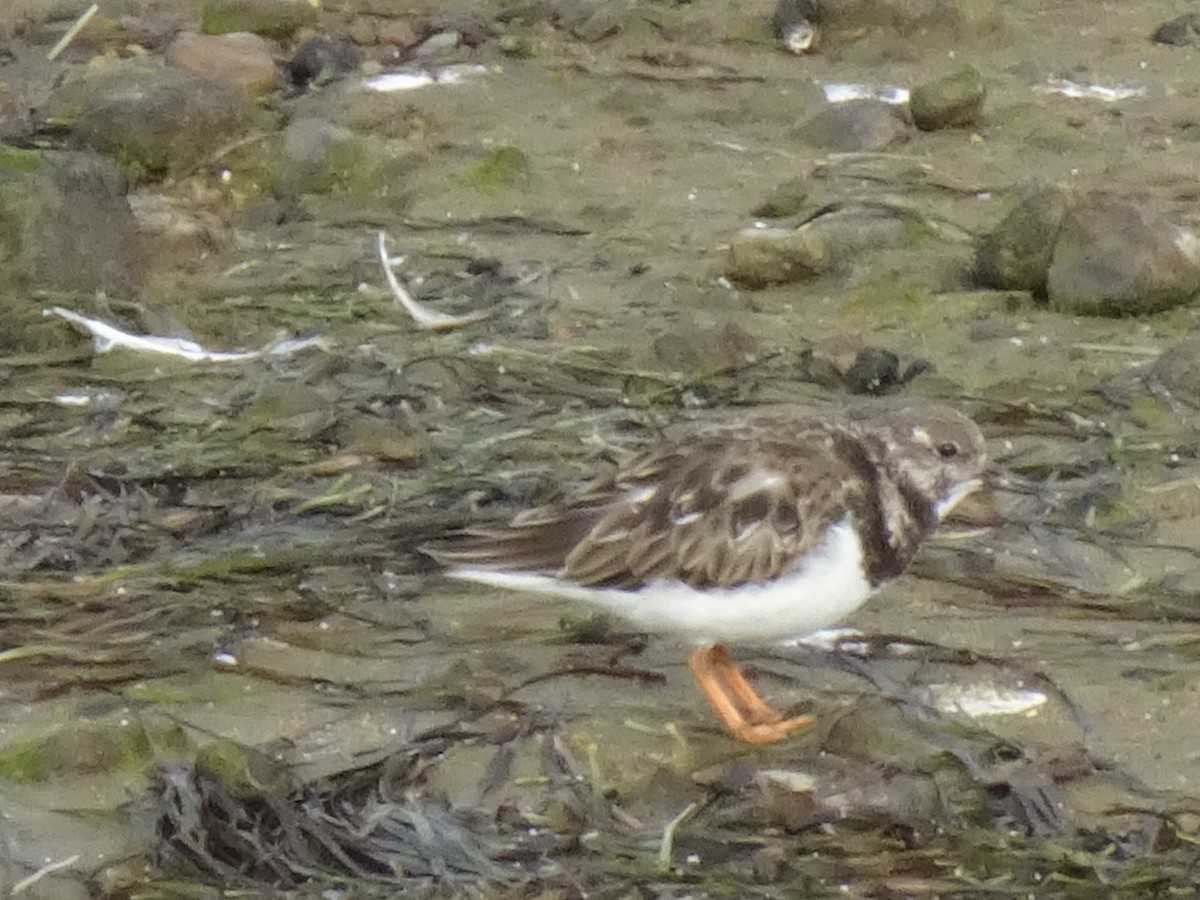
(737, 704)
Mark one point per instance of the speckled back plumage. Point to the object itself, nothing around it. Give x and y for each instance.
(731, 504)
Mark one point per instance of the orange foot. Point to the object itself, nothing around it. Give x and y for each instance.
(745, 715)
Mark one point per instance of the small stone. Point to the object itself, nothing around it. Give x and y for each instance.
(591, 21)
(238, 58)
(1182, 31)
(439, 44)
(786, 200)
(309, 141)
(857, 126)
(515, 46)
(875, 371)
(1016, 255)
(787, 797)
(402, 33)
(955, 101)
(759, 257)
(1177, 371)
(320, 60)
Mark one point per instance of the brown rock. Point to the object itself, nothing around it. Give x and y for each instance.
(1117, 258)
(238, 58)
(402, 33)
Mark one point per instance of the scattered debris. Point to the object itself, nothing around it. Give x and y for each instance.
(73, 32)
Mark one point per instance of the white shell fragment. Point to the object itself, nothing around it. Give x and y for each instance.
(848, 640)
(981, 699)
(844, 92)
(1122, 90)
(419, 78)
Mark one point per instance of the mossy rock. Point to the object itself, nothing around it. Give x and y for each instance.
(505, 168)
(90, 748)
(275, 19)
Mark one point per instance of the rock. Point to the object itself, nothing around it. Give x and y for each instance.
(590, 21)
(854, 126)
(438, 44)
(854, 231)
(786, 200)
(322, 59)
(1182, 31)
(960, 19)
(238, 58)
(695, 348)
(308, 145)
(876, 371)
(1176, 372)
(276, 19)
(404, 32)
(154, 120)
(955, 101)
(763, 256)
(1016, 256)
(1114, 258)
(841, 237)
(72, 227)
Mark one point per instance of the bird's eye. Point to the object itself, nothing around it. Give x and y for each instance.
(948, 450)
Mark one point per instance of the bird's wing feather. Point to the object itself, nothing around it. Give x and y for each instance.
(709, 512)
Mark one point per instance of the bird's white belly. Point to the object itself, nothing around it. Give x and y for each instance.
(826, 586)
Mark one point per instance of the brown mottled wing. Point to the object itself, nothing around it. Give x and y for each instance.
(722, 509)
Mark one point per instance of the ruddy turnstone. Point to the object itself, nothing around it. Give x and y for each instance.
(761, 529)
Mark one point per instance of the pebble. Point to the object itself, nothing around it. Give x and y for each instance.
(954, 101)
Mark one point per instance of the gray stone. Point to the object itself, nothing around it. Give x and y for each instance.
(785, 200)
(856, 126)
(955, 101)
(1177, 372)
(307, 146)
(1182, 31)
(321, 60)
(1016, 255)
(155, 120)
(1114, 258)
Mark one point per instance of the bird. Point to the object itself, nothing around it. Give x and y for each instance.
(760, 527)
